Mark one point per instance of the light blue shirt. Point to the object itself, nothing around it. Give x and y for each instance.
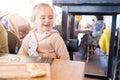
(98, 28)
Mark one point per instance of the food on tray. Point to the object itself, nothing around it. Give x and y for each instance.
(35, 70)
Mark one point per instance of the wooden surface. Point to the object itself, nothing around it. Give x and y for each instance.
(82, 31)
(67, 70)
(19, 71)
(59, 69)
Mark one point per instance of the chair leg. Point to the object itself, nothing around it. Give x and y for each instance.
(71, 55)
(88, 53)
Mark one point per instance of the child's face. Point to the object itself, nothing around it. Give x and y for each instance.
(44, 18)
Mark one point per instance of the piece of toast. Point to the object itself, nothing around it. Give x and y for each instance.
(35, 70)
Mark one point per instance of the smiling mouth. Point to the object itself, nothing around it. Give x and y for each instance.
(46, 25)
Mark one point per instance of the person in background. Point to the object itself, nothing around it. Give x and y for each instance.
(98, 26)
(16, 24)
(93, 37)
(3, 40)
(42, 40)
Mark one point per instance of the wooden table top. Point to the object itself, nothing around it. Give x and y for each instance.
(67, 70)
(60, 69)
(86, 31)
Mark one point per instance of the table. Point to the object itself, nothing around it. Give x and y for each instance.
(70, 8)
(67, 70)
(81, 32)
(86, 31)
(60, 69)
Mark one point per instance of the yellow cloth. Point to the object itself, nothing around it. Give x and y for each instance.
(105, 40)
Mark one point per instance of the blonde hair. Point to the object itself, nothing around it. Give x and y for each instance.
(37, 7)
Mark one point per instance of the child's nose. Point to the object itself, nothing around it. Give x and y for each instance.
(47, 20)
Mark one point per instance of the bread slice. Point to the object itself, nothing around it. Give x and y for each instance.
(35, 70)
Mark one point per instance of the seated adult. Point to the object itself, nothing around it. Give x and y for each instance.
(93, 38)
(98, 27)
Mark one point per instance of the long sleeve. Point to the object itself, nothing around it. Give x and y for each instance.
(60, 47)
(24, 47)
(29, 45)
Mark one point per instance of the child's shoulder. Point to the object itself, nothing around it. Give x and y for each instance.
(55, 32)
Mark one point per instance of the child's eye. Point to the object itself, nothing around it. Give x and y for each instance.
(42, 18)
(50, 17)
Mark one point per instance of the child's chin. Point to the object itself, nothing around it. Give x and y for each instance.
(46, 29)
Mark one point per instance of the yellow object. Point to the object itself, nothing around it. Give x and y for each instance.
(78, 18)
(105, 41)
